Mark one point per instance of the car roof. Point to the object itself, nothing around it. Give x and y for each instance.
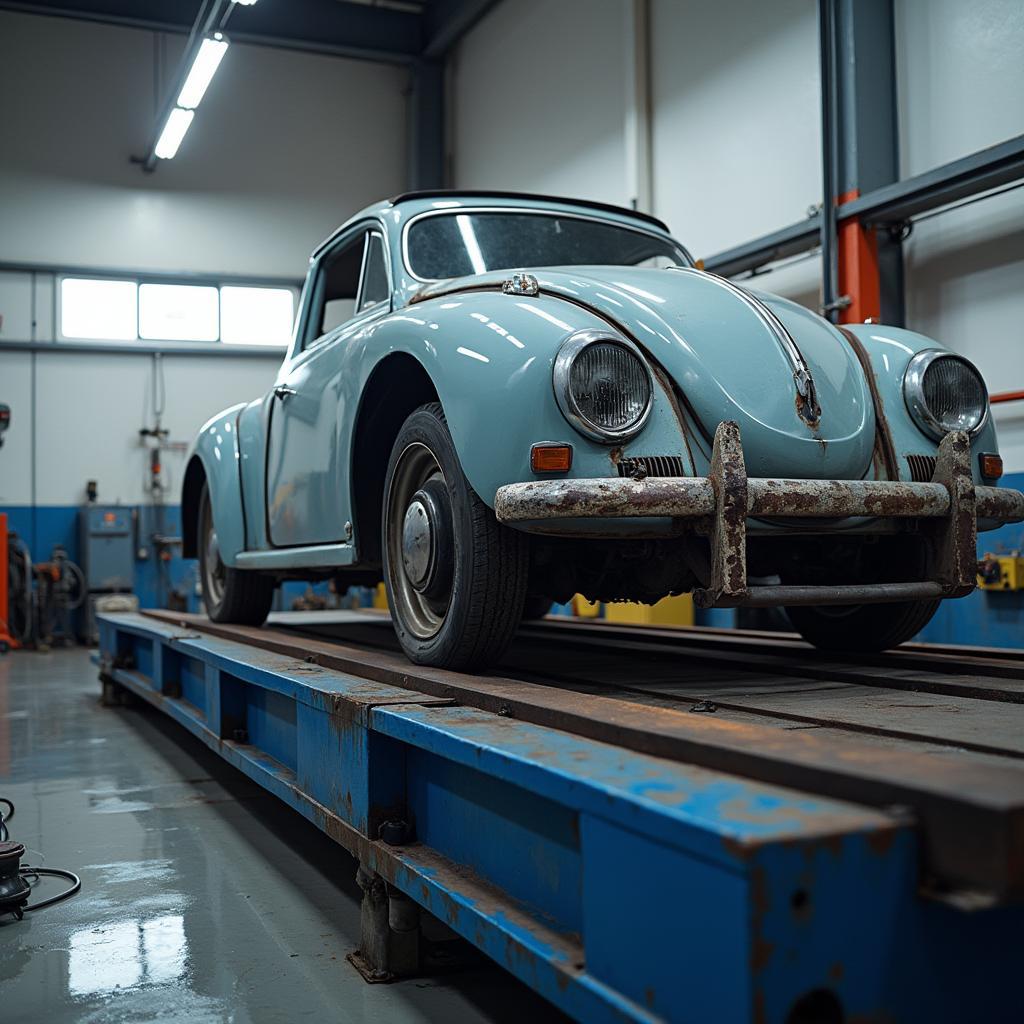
(410, 204)
(451, 193)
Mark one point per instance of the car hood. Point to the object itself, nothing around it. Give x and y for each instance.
(728, 362)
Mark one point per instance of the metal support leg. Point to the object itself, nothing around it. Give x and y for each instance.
(389, 930)
(403, 934)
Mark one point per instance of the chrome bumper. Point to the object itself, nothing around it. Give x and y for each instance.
(951, 503)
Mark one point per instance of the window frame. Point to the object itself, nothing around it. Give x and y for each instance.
(140, 344)
(533, 211)
(360, 292)
(310, 299)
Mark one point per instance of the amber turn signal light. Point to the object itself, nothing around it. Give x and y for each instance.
(551, 458)
(991, 465)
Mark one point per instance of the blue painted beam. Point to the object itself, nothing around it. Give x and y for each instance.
(618, 885)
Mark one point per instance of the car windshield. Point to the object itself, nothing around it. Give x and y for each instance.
(459, 244)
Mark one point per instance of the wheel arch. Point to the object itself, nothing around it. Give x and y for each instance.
(191, 493)
(215, 460)
(398, 385)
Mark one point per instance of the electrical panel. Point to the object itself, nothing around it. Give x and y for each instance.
(107, 547)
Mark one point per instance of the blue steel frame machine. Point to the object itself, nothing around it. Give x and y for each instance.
(618, 885)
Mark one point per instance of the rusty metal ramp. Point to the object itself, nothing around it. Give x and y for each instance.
(646, 823)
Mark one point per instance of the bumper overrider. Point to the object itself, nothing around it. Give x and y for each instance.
(949, 508)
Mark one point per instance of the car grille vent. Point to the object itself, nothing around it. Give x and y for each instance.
(922, 468)
(651, 465)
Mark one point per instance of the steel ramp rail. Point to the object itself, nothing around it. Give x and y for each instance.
(619, 885)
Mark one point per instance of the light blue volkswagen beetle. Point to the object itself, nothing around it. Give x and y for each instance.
(495, 401)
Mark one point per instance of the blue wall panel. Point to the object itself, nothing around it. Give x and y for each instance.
(988, 618)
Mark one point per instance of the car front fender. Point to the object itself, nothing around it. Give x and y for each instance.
(217, 451)
(890, 349)
(490, 357)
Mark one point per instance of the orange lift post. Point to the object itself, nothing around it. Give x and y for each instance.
(857, 259)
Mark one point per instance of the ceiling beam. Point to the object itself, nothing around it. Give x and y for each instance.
(447, 21)
(333, 27)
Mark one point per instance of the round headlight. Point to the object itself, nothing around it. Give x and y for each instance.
(603, 386)
(945, 392)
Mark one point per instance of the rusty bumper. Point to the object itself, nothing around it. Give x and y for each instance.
(950, 505)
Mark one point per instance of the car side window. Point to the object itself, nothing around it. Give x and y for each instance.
(375, 284)
(335, 291)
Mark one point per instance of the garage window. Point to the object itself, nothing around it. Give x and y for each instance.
(256, 316)
(98, 308)
(109, 309)
(178, 312)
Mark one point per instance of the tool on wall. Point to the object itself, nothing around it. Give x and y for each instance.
(5, 421)
(157, 485)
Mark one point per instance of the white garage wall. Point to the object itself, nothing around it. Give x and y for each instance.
(735, 139)
(961, 84)
(16, 454)
(88, 430)
(284, 148)
(736, 124)
(539, 100)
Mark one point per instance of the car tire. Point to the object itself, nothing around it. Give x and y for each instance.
(863, 627)
(455, 577)
(230, 595)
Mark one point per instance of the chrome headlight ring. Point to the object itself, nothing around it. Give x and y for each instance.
(572, 348)
(916, 399)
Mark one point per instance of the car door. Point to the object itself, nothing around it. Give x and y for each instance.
(306, 497)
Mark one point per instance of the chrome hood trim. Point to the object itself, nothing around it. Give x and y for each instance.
(808, 408)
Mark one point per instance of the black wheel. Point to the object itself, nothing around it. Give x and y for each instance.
(861, 627)
(455, 577)
(536, 606)
(230, 595)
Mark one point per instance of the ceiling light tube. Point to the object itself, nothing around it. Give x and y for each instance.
(174, 131)
(207, 60)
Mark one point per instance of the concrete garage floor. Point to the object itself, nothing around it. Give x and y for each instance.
(203, 898)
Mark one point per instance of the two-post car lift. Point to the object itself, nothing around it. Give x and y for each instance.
(642, 824)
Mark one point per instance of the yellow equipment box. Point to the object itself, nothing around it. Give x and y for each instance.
(1001, 572)
(669, 611)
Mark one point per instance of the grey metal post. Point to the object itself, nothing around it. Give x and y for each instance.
(867, 128)
(426, 125)
(829, 131)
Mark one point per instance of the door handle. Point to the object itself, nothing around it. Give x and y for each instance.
(282, 391)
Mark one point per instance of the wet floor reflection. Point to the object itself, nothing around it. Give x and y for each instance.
(126, 955)
(204, 900)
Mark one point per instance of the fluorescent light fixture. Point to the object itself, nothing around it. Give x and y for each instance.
(244, 3)
(174, 131)
(208, 59)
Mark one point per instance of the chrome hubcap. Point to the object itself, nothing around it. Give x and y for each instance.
(417, 544)
(419, 535)
(214, 573)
